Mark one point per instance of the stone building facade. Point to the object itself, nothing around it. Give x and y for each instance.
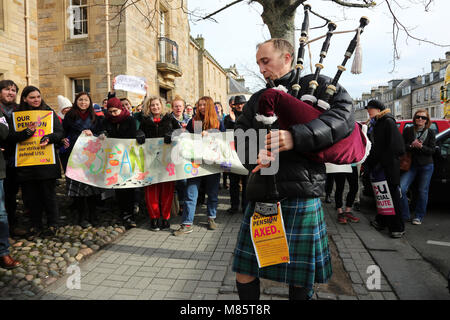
(70, 55)
(16, 61)
(405, 96)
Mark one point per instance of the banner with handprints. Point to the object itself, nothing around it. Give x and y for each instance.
(122, 163)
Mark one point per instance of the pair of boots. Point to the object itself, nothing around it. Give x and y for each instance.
(251, 291)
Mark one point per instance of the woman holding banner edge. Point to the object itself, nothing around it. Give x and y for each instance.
(38, 182)
(157, 122)
(206, 116)
(82, 119)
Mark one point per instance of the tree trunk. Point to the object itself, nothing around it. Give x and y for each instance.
(279, 16)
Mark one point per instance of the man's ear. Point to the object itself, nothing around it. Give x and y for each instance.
(288, 59)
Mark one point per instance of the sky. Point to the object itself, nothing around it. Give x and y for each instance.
(233, 39)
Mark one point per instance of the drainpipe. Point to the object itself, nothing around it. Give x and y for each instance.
(108, 67)
(27, 41)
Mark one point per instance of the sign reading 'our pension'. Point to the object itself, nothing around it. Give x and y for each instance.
(29, 152)
(122, 163)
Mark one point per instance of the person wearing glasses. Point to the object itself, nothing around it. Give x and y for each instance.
(420, 141)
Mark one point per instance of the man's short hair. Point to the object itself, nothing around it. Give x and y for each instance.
(281, 45)
(5, 84)
(178, 98)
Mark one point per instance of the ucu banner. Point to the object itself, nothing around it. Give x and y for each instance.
(385, 205)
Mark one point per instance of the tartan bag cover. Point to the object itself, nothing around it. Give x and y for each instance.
(307, 240)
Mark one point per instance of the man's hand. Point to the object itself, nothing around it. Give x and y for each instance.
(279, 141)
(264, 158)
(65, 143)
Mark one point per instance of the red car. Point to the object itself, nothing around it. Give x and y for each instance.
(438, 125)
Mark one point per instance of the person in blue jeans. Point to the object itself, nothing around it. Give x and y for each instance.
(206, 117)
(6, 261)
(420, 141)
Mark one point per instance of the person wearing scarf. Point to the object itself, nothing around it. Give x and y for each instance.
(420, 141)
(81, 119)
(119, 124)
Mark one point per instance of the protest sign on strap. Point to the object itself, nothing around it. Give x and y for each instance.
(122, 163)
(29, 152)
(131, 84)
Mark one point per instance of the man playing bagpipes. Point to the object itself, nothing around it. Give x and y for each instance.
(300, 179)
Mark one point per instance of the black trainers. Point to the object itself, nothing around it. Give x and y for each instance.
(376, 225)
(128, 220)
(327, 199)
(154, 225)
(165, 224)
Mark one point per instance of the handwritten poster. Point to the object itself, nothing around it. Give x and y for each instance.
(131, 84)
(29, 152)
(122, 163)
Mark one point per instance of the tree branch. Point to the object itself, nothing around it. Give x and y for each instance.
(220, 10)
(366, 4)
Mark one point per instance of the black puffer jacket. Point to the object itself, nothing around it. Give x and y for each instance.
(122, 130)
(387, 146)
(161, 129)
(299, 177)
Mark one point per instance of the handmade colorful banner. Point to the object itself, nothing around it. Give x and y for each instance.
(122, 163)
(29, 152)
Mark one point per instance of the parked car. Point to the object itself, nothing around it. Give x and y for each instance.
(438, 125)
(440, 181)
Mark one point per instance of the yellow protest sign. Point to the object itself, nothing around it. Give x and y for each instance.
(29, 152)
(269, 238)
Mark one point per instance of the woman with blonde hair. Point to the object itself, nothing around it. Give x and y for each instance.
(420, 142)
(157, 122)
(204, 121)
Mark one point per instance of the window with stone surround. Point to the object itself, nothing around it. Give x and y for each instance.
(78, 15)
(80, 85)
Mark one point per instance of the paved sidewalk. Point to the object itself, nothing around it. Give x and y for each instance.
(144, 265)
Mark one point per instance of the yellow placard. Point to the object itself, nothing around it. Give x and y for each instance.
(29, 152)
(269, 239)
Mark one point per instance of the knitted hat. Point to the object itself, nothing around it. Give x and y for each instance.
(63, 103)
(114, 103)
(376, 105)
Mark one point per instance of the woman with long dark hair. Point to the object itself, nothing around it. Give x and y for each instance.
(420, 141)
(38, 182)
(82, 119)
(206, 117)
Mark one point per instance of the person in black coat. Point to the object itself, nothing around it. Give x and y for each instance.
(157, 122)
(82, 119)
(120, 124)
(420, 141)
(299, 180)
(236, 180)
(387, 147)
(38, 182)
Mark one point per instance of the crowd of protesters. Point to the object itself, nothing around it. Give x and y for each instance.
(115, 118)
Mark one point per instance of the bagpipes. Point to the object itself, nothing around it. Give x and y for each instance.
(276, 104)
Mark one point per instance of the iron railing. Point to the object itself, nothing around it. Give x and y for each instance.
(168, 51)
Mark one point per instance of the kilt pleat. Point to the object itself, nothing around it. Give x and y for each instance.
(306, 233)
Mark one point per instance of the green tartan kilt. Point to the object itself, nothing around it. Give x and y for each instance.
(306, 233)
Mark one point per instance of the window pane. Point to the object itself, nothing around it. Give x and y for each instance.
(76, 2)
(78, 86)
(87, 85)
